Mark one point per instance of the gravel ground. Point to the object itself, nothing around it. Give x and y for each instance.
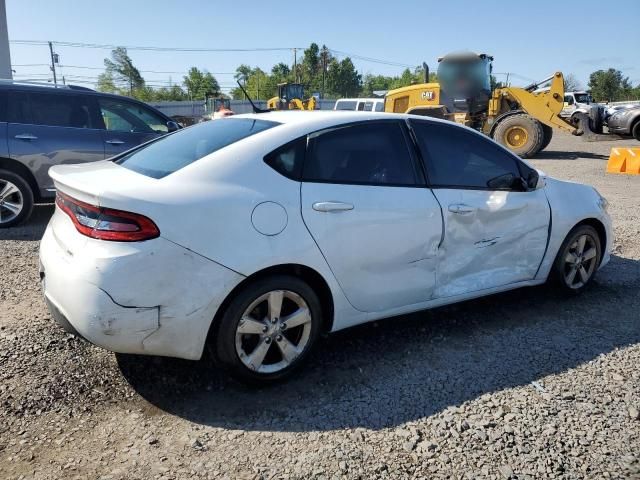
(527, 384)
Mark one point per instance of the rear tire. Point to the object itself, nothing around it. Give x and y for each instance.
(547, 132)
(578, 259)
(16, 199)
(268, 329)
(520, 133)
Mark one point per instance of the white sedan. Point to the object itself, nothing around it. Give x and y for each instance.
(253, 234)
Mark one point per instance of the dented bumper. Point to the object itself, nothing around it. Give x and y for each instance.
(153, 297)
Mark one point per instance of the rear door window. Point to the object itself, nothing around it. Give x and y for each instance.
(372, 153)
(3, 106)
(57, 110)
(173, 152)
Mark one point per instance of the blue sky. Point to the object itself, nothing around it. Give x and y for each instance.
(529, 39)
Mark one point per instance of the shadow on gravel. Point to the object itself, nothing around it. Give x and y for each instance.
(409, 367)
(564, 155)
(33, 229)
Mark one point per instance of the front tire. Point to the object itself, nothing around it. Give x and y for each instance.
(16, 199)
(520, 133)
(578, 259)
(635, 130)
(268, 329)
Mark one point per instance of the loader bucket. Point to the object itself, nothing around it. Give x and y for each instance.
(624, 160)
(584, 130)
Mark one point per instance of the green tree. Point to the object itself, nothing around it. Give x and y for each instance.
(106, 83)
(120, 67)
(281, 72)
(312, 68)
(609, 85)
(201, 84)
(173, 93)
(342, 78)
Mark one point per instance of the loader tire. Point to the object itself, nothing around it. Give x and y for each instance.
(520, 133)
(548, 135)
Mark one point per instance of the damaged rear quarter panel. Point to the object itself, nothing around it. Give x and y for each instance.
(175, 292)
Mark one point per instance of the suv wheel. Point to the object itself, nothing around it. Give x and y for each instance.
(16, 199)
(268, 329)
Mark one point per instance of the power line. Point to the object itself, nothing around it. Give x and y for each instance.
(143, 71)
(152, 49)
(369, 59)
(200, 49)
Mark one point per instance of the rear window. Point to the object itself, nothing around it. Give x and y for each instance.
(176, 151)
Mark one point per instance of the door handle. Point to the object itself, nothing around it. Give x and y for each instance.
(26, 136)
(114, 142)
(332, 206)
(461, 209)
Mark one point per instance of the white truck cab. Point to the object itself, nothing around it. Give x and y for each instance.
(574, 102)
(360, 104)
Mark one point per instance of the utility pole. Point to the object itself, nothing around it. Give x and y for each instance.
(54, 60)
(5, 53)
(295, 65)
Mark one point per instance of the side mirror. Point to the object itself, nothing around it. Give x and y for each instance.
(172, 126)
(532, 180)
(508, 180)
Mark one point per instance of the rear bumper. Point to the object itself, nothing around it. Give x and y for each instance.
(152, 297)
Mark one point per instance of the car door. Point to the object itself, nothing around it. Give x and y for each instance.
(365, 204)
(128, 124)
(51, 128)
(495, 227)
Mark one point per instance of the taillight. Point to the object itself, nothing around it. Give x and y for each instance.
(106, 223)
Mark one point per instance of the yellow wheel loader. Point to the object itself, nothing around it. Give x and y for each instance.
(521, 119)
(291, 97)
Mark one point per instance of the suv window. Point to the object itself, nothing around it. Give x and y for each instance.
(457, 158)
(173, 152)
(123, 116)
(365, 153)
(56, 110)
(346, 105)
(3, 106)
(287, 160)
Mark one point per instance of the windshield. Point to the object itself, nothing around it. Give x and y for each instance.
(173, 152)
(582, 97)
(290, 92)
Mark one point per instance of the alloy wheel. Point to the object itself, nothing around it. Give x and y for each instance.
(11, 201)
(273, 331)
(580, 261)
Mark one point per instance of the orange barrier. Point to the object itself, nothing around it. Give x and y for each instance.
(624, 160)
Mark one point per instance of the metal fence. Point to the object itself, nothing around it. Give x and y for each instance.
(196, 108)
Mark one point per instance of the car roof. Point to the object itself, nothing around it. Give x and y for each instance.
(304, 117)
(16, 85)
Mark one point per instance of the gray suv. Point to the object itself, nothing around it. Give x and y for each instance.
(42, 125)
